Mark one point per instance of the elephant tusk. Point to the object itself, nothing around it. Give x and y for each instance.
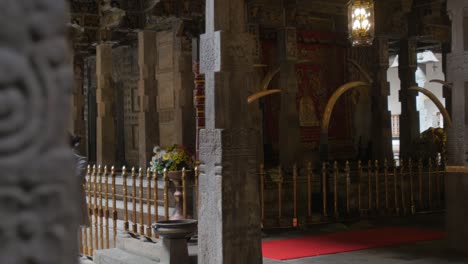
(261, 94)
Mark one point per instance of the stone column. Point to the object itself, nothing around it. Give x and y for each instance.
(409, 119)
(289, 137)
(381, 117)
(198, 93)
(78, 126)
(148, 123)
(457, 145)
(105, 98)
(229, 221)
(38, 189)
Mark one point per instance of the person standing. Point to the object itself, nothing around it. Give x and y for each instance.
(80, 172)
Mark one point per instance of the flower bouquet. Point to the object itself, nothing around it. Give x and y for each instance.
(173, 160)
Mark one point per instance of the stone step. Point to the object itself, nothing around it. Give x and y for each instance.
(119, 256)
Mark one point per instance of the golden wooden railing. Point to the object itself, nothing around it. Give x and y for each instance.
(103, 197)
(287, 197)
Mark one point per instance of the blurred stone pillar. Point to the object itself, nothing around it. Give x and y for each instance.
(381, 117)
(229, 220)
(148, 123)
(457, 144)
(39, 209)
(105, 99)
(409, 118)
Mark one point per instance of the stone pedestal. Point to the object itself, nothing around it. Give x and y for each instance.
(148, 122)
(409, 119)
(289, 136)
(229, 220)
(105, 98)
(457, 144)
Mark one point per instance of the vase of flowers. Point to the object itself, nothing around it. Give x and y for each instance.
(175, 160)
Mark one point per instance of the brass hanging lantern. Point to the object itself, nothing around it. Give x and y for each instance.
(361, 22)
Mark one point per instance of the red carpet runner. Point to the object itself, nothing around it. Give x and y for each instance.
(345, 242)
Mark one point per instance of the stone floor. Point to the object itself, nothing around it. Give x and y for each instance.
(428, 252)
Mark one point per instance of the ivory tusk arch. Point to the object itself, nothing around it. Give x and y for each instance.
(436, 101)
(261, 94)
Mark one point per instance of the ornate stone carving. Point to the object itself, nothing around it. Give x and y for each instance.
(457, 65)
(38, 218)
(210, 52)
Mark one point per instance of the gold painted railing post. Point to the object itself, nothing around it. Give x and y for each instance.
(91, 211)
(101, 210)
(262, 194)
(403, 189)
(85, 228)
(148, 203)
(197, 173)
(324, 188)
(377, 185)
(369, 176)
(387, 200)
(359, 186)
(166, 195)
(438, 189)
(410, 168)
(106, 197)
(140, 196)
(114, 206)
(335, 189)
(80, 239)
(155, 197)
(280, 194)
(96, 208)
(295, 223)
(125, 200)
(134, 209)
(395, 187)
(430, 184)
(348, 183)
(184, 193)
(420, 177)
(309, 191)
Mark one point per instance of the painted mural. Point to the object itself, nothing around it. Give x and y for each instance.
(320, 71)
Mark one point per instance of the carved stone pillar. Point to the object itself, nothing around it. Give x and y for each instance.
(289, 134)
(457, 135)
(38, 189)
(78, 126)
(409, 119)
(199, 93)
(148, 123)
(105, 98)
(229, 221)
(381, 117)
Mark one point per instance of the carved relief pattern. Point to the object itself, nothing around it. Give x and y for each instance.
(209, 53)
(37, 217)
(457, 65)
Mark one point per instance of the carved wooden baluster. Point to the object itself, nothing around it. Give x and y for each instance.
(429, 172)
(148, 203)
(377, 185)
(262, 194)
(91, 211)
(134, 198)
(324, 188)
(197, 173)
(125, 202)
(387, 198)
(96, 208)
(395, 187)
(184, 193)
(410, 168)
(403, 189)
(348, 183)
(114, 206)
(155, 199)
(101, 211)
(166, 195)
(309, 191)
(369, 176)
(295, 223)
(85, 229)
(106, 211)
(359, 186)
(335, 188)
(280, 195)
(420, 177)
(140, 194)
